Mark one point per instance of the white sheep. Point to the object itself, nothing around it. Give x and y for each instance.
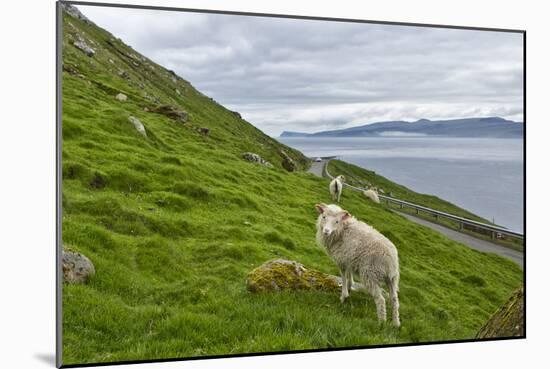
(371, 194)
(358, 248)
(335, 187)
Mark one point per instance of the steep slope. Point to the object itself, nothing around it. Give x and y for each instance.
(470, 127)
(175, 220)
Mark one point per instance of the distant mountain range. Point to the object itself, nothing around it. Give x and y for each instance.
(494, 127)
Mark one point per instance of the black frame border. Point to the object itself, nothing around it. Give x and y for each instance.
(59, 141)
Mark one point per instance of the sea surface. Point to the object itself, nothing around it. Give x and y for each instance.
(482, 175)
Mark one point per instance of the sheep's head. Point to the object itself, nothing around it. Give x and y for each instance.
(332, 218)
(341, 178)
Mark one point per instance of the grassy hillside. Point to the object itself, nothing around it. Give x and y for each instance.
(174, 222)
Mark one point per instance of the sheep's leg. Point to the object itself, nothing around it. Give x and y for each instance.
(350, 280)
(379, 300)
(339, 194)
(345, 284)
(393, 286)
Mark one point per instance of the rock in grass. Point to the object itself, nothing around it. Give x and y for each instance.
(77, 268)
(288, 163)
(121, 97)
(255, 158)
(171, 112)
(139, 126)
(83, 46)
(508, 320)
(280, 274)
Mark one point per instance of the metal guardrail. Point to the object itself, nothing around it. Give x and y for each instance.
(494, 230)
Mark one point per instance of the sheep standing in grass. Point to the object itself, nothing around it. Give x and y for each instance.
(335, 187)
(371, 194)
(359, 248)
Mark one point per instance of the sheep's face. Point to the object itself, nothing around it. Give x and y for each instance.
(341, 178)
(331, 219)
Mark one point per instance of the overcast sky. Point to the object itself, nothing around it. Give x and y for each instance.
(306, 75)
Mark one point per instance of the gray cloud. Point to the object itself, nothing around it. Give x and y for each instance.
(286, 74)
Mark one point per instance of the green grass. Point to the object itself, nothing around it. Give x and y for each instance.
(361, 177)
(174, 222)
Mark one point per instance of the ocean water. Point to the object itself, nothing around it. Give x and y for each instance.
(482, 175)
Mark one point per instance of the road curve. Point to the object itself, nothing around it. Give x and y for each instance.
(317, 169)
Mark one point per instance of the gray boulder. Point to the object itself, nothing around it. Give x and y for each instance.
(138, 125)
(77, 268)
(255, 158)
(123, 74)
(84, 47)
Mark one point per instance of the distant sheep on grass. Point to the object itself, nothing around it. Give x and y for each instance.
(335, 187)
(371, 194)
(358, 248)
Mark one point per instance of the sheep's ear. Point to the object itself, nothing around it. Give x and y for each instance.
(321, 208)
(345, 215)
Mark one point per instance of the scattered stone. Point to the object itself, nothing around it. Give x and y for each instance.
(508, 321)
(77, 268)
(146, 109)
(204, 131)
(288, 163)
(255, 158)
(171, 112)
(123, 74)
(121, 97)
(139, 126)
(178, 91)
(281, 274)
(71, 70)
(237, 114)
(247, 223)
(111, 61)
(83, 46)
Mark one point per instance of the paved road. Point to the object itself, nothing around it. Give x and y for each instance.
(317, 168)
(473, 242)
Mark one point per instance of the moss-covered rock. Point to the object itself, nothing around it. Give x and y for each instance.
(287, 162)
(508, 321)
(280, 274)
